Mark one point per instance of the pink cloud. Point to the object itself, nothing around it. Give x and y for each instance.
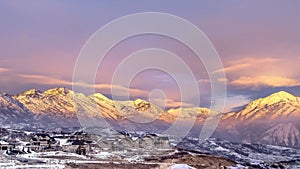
(3, 70)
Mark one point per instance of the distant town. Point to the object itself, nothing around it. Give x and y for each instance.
(111, 149)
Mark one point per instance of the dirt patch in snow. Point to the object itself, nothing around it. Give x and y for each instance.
(194, 160)
(112, 166)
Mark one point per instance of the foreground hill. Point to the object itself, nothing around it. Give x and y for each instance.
(274, 119)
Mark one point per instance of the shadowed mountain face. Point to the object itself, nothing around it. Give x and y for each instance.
(271, 120)
(13, 113)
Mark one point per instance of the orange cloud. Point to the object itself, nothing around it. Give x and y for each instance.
(256, 72)
(204, 81)
(256, 82)
(223, 80)
(252, 60)
(233, 68)
(245, 63)
(171, 103)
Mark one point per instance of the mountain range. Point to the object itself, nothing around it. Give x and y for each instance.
(274, 119)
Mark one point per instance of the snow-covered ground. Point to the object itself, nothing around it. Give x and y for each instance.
(181, 166)
(254, 154)
(244, 154)
(43, 166)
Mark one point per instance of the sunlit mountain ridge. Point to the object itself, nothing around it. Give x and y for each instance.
(273, 119)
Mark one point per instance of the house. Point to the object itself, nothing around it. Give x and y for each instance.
(147, 142)
(3, 132)
(109, 143)
(162, 143)
(62, 135)
(117, 146)
(153, 141)
(105, 145)
(133, 142)
(4, 145)
(80, 135)
(130, 144)
(42, 141)
(15, 151)
(76, 146)
(81, 150)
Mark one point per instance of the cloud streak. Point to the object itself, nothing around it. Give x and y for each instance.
(254, 73)
(256, 82)
(170, 103)
(246, 63)
(105, 88)
(3, 70)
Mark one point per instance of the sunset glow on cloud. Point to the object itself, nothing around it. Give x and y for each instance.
(3, 70)
(260, 81)
(266, 72)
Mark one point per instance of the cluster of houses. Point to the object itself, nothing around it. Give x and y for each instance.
(83, 143)
(131, 142)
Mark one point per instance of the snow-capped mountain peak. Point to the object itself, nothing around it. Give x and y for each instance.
(277, 105)
(99, 96)
(141, 104)
(190, 112)
(273, 119)
(31, 92)
(58, 91)
(281, 96)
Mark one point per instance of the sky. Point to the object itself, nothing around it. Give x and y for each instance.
(258, 43)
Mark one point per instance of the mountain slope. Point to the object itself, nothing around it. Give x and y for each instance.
(57, 101)
(271, 120)
(284, 134)
(13, 113)
(54, 107)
